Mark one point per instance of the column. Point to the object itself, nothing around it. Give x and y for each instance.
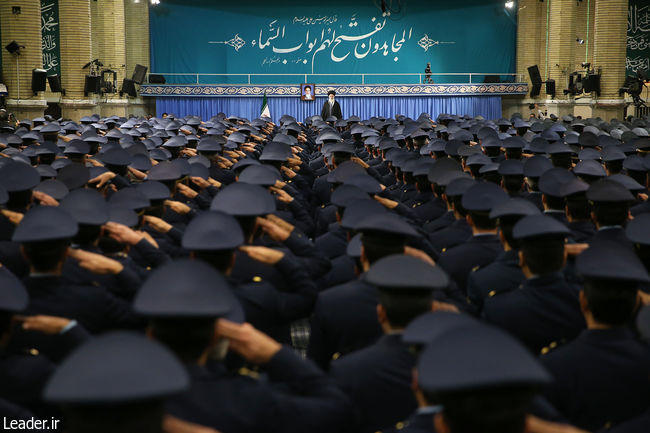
(24, 27)
(76, 43)
(137, 51)
(610, 41)
(531, 46)
(108, 25)
(561, 53)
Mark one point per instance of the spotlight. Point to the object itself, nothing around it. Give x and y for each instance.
(509, 4)
(155, 2)
(580, 41)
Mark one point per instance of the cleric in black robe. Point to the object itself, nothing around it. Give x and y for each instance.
(331, 107)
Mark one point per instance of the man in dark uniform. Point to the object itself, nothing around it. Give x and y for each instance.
(578, 211)
(494, 396)
(417, 335)
(483, 247)
(378, 378)
(345, 317)
(90, 211)
(545, 310)
(185, 300)
(18, 181)
(213, 238)
(44, 235)
(603, 376)
(534, 167)
(116, 382)
(550, 184)
(504, 274)
(426, 204)
(23, 371)
(610, 210)
(458, 230)
(331, 108)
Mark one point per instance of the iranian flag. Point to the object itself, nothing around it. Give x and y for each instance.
(265, 108)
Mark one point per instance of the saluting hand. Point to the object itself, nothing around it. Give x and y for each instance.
(158, 224)
(122, 233)
(575, 249)
(295, 162)
(175, 425)
(265, 255)
(50, 325)
(251, 344)
(186, 190)
(288, 172)
(276, 232)
(279, 221)
(14, 217)
(45, 199)
(537, 425)
(102, 179)
(188, 152)
(94, 162)
(148, 237)
(386, 202)
(95, 263)
(281, 194)
(137, 173)
(414, 252)
(177, 206)
(359, 161)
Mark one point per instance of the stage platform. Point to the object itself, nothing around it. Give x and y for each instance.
(362, 100)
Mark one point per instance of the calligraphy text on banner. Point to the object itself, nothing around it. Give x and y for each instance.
(638, 36)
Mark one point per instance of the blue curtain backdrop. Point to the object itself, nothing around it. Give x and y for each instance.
(363, 106)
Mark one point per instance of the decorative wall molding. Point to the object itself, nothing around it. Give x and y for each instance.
(341, 90)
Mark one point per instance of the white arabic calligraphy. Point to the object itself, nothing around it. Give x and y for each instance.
(639, 43)
(340, 46)
(47, 20)
(48, 42)
(637, 63)
(638, 19)
(50, 61)
(307, 21)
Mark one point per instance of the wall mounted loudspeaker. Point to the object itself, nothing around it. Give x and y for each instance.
(39, 76)
(139, 74)
(128, 87)
(55, 83)
(92, 84)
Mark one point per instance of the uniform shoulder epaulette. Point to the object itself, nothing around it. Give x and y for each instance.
(248, 373)
(549, 348)
(31, 352)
